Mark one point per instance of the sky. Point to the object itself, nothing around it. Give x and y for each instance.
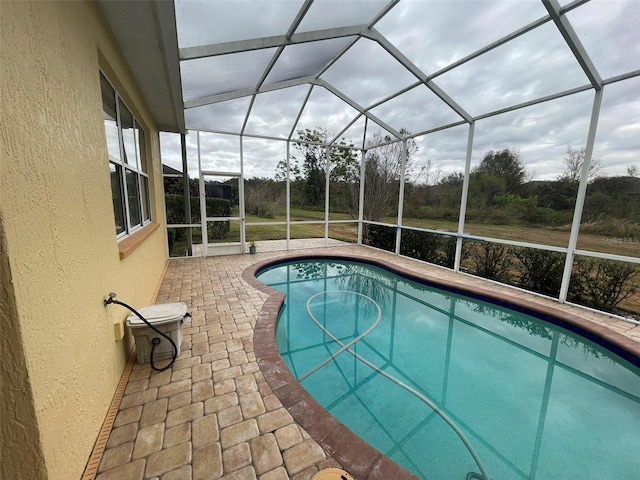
(432, 35)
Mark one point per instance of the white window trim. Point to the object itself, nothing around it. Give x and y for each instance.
(124, 167)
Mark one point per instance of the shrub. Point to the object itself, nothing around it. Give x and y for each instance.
(171, 237)
(448, 251)
(430, 247)
(420, 245)
(216, 207)
(491, 260)
(177, 239)
(539, 270)
(601, 283)
(262, 197)
(174, 205)
(379, 236)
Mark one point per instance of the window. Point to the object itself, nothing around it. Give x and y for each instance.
(127, 163)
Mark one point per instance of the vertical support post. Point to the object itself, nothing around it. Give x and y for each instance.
(582, 192)
(361, 197)
(288, 197)
(464, 198)
(327, 174)
(403, 165)
(186, 192)
(363, 156)
(203, 204)
(243, 233)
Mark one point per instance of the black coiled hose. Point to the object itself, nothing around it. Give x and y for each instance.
(155, 341)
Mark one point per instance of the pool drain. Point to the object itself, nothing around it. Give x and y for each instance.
(332, 474)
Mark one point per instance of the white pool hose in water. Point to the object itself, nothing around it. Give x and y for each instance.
(346, 347)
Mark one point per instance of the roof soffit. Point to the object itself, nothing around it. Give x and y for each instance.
(146, 33)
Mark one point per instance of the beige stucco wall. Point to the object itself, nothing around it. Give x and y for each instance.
(56, 203)
(19, 436)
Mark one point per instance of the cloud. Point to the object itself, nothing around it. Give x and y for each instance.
(540, 133)
(207, 76)
(338, 13)
(434, 34)
(170, 151)
(274, 113)
(609, 33)
(226, 116)
(367, 74)
(261, 157)
(325, 110)
(417, 110)
(446, 150)
(305, 59)
(206, 22)
(532, 66)
(618, 134)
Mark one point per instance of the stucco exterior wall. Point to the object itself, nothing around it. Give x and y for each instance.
(19, 436)
(59, 224)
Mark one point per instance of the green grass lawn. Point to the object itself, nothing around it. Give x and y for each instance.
(558, 237)
(279, 232)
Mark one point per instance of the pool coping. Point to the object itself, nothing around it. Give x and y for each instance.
(355, 455)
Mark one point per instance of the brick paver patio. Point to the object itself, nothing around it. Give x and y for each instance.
(212, 414)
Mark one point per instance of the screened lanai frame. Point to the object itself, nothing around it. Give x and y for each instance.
(275, 47)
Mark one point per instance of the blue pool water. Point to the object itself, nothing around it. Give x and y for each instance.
(534, 401)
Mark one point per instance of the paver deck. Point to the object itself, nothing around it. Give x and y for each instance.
(212, 414)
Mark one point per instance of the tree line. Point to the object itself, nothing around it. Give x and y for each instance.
(500, 190)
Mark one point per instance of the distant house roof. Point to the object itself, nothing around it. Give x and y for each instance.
(167, 170)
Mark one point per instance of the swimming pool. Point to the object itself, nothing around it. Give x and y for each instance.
(531, 399)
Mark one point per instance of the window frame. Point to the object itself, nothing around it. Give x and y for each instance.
(137, 166)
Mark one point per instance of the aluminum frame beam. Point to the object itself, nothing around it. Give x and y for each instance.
(580, 196)
(464, 197)
(383, 12)
(358, 107)
(246, 92)
(296, 22)
(302, 107)
(501, 41)
(239, 46)
(573, 41)
(376, 36)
